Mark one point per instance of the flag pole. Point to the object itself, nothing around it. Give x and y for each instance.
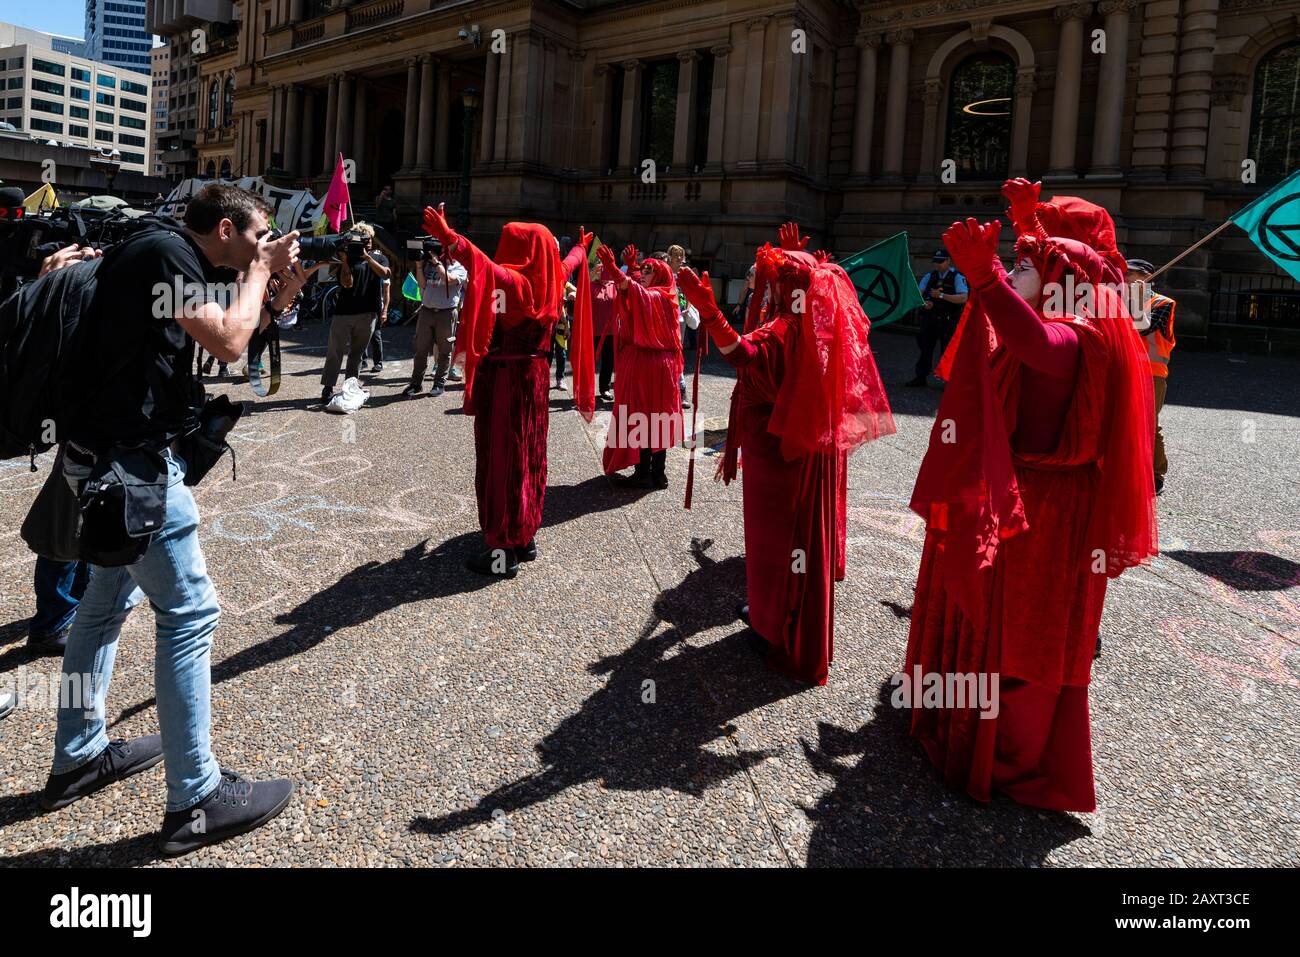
(1192, 248)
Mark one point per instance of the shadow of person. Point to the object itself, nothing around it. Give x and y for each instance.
(1243, 571)
(891, 808)
(364, 593)
(124, 852)
(662, 720)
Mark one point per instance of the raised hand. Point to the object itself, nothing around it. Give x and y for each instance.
(630, 256)
(436, 225)
(1023, 197)
(585, 238)
(790, 240)
(974, 249)
(698, 291)
(608, 264)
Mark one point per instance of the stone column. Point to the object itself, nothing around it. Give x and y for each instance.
(928, 173)
(788, 100)
(1065, 103)
(1189, 133)
(487, 135)
(331, 124)
(900, 53)
(501, 139)
(424, 142)
(361, 118)
(1020, 117)
(442, 118)
(684, 133)
(292, 128)
(296, 10)
(629, 138)
(306, 147)
(412, 131)
(864, 110)
(752, 101)
(718, 103)
(603, 114)
(1110, 90)
(343, 133)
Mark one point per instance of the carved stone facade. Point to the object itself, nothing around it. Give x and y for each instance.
(828, 112)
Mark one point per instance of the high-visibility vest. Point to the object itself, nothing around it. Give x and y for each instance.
(1160, 342)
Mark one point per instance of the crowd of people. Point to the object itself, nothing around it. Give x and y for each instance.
(1036, 489)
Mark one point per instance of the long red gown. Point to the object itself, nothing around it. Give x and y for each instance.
(1027, 611)
(794, 505)
(648, 355)
(508, 384)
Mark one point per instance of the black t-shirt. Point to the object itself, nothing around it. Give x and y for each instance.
(135, 361)
(366, 294)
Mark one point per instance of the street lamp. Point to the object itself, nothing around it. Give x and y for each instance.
(469, 98)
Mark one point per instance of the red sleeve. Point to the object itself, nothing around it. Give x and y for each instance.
(577, 257)
(744, 353)
(1048, 347)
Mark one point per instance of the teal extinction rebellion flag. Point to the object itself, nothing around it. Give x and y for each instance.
(1273, 223)
(882, 274)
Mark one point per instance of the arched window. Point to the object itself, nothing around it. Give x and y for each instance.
(225, 169)
(658, 113)
(211, 172)
(1275, 117)
(212, 105)
(228, 102)
(980, 96)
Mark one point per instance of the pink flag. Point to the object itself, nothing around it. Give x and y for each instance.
(338, 202)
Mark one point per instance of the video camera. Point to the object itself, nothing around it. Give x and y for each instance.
(424, 247)
(319, 249)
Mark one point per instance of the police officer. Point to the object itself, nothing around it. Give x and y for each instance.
(944, 290)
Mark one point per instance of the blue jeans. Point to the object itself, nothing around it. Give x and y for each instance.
(174, 577)
(59, 587)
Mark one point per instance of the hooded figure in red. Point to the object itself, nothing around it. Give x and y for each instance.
(647, 418)
(1036, 490)
(807, 395)
(510, 308)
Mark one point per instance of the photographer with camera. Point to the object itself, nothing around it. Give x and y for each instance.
(442, 284)
(134, 367)
(356, 309)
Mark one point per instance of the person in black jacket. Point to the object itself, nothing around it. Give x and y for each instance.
(944, 291)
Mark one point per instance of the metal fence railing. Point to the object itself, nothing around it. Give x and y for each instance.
(1254, 300)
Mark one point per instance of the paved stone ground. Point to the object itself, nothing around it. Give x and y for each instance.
(430, 718)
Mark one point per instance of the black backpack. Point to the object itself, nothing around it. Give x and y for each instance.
(38, 323)
(38, 327)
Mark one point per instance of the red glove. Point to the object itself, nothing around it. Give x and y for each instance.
(699, 293)
(630, 257)
(790, 240)
(1023, 197)
(609, 265)
(436, 225)
(585, 238)
(974, 251)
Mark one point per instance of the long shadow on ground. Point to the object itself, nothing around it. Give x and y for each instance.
(891, 809)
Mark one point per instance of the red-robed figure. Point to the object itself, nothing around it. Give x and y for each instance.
(807, 394)
(1036, 490)
(647, 418)
(510, 308)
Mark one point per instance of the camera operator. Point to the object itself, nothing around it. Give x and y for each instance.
(442, 284)
(136, 368)
(356, 309)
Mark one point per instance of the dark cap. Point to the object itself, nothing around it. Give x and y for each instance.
(1140, 265)
(939, 256)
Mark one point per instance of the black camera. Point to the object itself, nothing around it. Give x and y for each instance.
(319, 249)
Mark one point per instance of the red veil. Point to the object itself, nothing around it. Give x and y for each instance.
(966, 490)
(830, 398)
(528, 250)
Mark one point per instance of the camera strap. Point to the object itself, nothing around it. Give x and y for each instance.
(267, 341)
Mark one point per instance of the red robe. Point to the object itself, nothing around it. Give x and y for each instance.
(1021, 543)
(796, 414)
(507, 373)
(648, 355)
